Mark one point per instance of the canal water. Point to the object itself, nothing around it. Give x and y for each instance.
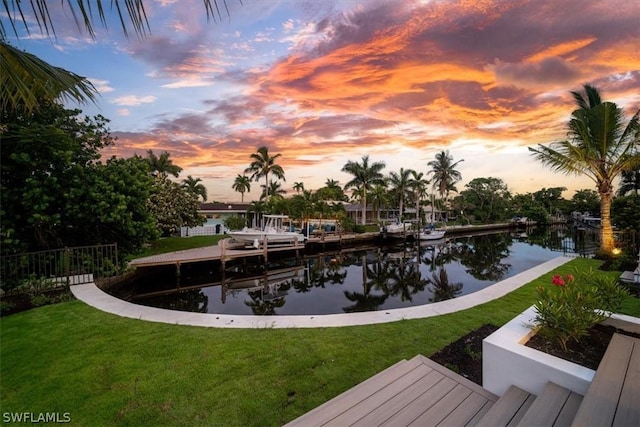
(348, 280)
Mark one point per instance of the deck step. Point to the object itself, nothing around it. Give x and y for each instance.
(326, 412)
(509, 409)
(555, 406)
(613, 397)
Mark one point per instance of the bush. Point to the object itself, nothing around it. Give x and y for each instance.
(235, 222)
(567, 310)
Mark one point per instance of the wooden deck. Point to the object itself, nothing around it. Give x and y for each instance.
(414, 392)
(419, 392)
(613, 398)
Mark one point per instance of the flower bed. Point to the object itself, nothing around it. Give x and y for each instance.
(507, 360)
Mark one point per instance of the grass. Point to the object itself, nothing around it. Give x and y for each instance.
(172, 244)
(107, 370)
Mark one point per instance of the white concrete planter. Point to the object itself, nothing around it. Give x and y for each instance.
(506, 360)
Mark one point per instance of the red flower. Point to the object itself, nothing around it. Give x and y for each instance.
(558, 281)
(569, 278)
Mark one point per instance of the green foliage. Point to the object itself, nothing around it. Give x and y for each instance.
(347, 224)
(487, 199)
(107, 370)
(173, 207)
(625, 212)
(586, 201)
(56, 193)
(235, 222)
(566, 310)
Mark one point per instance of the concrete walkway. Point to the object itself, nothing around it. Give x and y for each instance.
(95, 297)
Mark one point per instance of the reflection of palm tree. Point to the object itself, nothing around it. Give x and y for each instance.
(193, 300)
(406, 280)
(261, 307)
(365, 301)
(441, 288)
(482, 255)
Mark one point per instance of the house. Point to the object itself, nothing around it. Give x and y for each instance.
(215, 213)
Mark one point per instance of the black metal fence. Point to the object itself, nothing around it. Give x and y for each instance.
(586, 242)
(59, 267)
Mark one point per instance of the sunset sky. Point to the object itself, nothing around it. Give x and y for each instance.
(325, 82)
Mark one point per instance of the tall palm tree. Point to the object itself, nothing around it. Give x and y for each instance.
(379, 198)
(419, 185)
(400, 182)
(444, 174)
(192, 185)
(26, 79)
(365, 176)
(162, 166)
(262, 165)
(242, 184)
(599, 146)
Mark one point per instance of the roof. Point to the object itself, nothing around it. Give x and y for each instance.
(223, 207)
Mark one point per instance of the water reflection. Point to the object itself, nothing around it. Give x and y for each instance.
(355, 280)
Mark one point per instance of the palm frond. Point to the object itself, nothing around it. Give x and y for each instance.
(26, 79)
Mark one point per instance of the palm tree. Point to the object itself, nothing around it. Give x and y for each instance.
(419, 186)
(599, 146)
(192, 185)
(26, 80)
(444, 174)
(629, 182)
(242, 184)
(401, 183)
(273, 190)
(379, 198)
(298, 186)
(162, 166)
(262, 165)
(365, 176)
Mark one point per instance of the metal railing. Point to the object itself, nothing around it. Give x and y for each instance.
(59, 267)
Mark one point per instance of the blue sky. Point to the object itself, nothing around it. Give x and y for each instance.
(324, 82)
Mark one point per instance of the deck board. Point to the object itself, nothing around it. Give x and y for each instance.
(418, 390)
(605, 394)
(628, 411)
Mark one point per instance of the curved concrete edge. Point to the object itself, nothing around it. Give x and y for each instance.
(95, 297)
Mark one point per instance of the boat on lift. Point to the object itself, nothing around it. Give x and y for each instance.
(277, 229)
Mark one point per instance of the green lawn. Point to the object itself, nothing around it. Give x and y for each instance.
(172, 244)
(106, 370)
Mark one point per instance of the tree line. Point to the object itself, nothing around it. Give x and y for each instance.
(56, 191)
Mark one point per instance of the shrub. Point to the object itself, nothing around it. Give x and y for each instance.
(567, 310)
(235, 222)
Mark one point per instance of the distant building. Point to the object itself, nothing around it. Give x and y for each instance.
(215, 213)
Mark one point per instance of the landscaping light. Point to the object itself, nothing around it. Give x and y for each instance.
(616, 251)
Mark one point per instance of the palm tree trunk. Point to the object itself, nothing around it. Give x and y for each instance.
(606, 231)
(364, 208)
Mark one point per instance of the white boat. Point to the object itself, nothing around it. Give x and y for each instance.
(275, 230)
(397, 228)
(432, 234)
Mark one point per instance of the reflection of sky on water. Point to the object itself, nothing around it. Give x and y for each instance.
(395, 277)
